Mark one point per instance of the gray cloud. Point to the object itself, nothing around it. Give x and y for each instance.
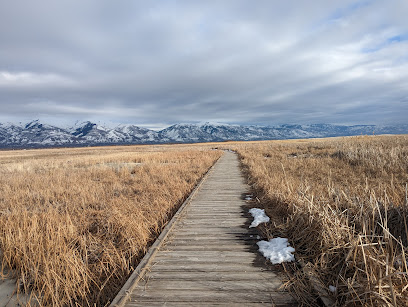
(163, 62)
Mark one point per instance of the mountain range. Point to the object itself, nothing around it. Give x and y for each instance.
(37, 134)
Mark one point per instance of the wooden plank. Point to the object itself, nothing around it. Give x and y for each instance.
(238, 211)
(205, 267)
(180, 243)
(222, 241)
(205, 247)
(214, 225)
(241, 222)
(241, 297)
(184, 304)
(224, 198)
(210, 285)
(251, 240)
(221, 217)
(204, 254)
(215, 231)
(206, 304)
(203, 261)
(215, 212)
(200, 203)
(260, 276)
(215, 262)
(236, 237)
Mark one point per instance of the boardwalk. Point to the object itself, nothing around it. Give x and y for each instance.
(210, 256)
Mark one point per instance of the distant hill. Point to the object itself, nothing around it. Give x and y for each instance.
(37, 134)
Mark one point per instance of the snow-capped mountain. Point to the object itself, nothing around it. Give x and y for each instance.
(38, 134)
(33, 134)
(222, 132)
(135, 134)
(89, 132)
(215, 132)
(92, 133)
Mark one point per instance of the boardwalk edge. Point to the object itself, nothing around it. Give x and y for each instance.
(124, 293)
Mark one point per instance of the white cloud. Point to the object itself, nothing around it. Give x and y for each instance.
(29, 79)
(167, 61)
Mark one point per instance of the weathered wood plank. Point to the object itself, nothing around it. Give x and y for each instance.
(205, 247)
(240, 262)
(205, 267)
(215, 212)
(225, 237)
(217, 241)
(211, 245)
(242, 223)
(215, 231)
(209, 296)
(205, 254)
(214, 226)
(260, 276)
(209, 285)
(220, 216)
(206, 304)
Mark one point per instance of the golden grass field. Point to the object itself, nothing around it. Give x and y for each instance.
(74, 222)
(343, 204)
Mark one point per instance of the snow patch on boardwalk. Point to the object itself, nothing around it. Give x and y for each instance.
(259, 217)
(277, 250)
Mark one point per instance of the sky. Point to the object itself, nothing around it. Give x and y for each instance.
(157, 63)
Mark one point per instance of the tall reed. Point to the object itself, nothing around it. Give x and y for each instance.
(343, 205)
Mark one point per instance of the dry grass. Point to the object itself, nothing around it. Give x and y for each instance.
(74, 222)
(343, 205)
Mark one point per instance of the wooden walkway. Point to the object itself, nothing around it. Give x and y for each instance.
(210, 256)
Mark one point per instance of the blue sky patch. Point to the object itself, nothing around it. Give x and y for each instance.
(389, 41)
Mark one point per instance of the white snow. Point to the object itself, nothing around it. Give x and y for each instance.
(332, 289)
(248, 197)
(259, 217)
(277, 250)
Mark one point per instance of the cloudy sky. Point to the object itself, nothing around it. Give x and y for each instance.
(155, 63)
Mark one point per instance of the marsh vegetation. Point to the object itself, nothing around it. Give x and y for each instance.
(343, 204)
(75, 222)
